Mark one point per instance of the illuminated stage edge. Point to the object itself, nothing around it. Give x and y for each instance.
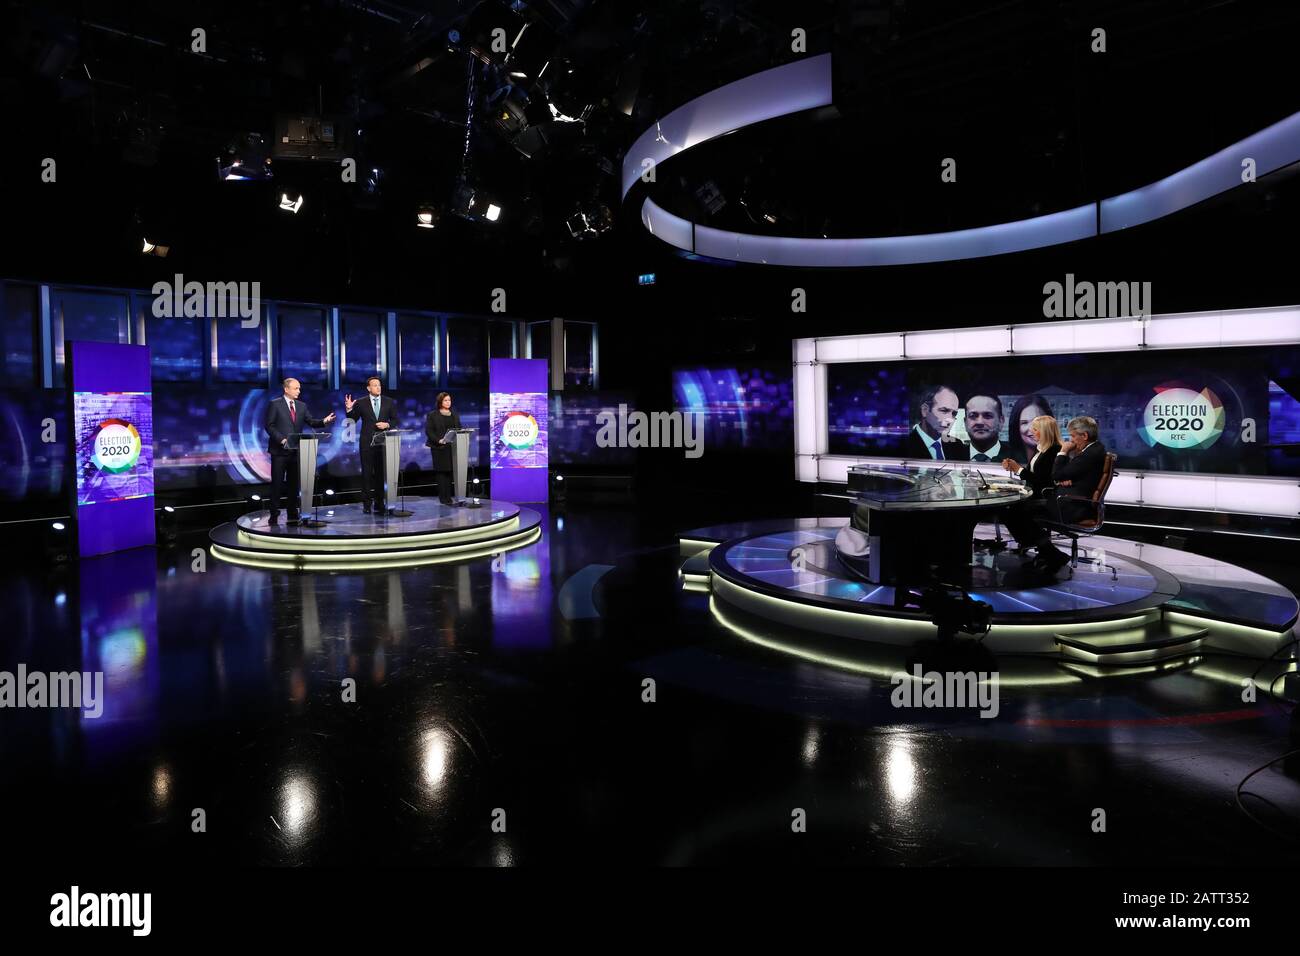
(352, 540)
(1146, 603)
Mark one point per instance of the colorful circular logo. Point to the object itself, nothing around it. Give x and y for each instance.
(117, 446)
(519, 430)
(1179, 417)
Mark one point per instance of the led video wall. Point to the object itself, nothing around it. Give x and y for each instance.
(1224, 412)
(743, 408)
(112, 446)
(1201, 408)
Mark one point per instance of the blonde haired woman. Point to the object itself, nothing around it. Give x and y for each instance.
(1038, 473)
(1022, 518)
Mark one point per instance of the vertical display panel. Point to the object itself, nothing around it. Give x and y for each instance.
(111, 402)
(519, 438)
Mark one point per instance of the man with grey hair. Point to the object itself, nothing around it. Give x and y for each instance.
(1077, 472)
(286, 416)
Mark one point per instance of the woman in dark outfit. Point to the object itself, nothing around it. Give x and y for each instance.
(436, 425)
(1022, 518)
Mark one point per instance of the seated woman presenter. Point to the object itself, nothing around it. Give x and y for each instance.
(436, 425)
(1022, 518)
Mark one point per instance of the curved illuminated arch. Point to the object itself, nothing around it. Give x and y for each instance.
(806, 84)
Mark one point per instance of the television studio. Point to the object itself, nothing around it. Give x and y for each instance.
(732, 434)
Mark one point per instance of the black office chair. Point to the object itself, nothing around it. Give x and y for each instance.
(1089, 525)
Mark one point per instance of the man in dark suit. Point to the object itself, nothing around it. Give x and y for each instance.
(286, 416)
(929, 438)
(1078, 467)
(376, 413)
(1077, 472)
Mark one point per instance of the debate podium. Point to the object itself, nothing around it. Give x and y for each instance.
(390, 439)
(458, 439)
(307, 445)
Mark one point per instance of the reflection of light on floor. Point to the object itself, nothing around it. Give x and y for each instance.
(297, 806)
(122, 654)
(900, 771)
(162, 786)
(434, 756)
(502, 855)
(811, 744)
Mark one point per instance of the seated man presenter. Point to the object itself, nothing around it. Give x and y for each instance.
(1077, 473)
(376, 413)
(286, 416)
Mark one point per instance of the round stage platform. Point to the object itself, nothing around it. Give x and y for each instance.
(350, 538)
(1126, 603)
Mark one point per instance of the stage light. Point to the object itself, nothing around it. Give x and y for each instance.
(493, 212)
(58, 526)
(256, 497)
(154, 249)
(329, 491)
(426, 217)
(290, 205)
(169, 509)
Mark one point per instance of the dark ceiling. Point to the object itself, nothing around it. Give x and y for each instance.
(140, 124)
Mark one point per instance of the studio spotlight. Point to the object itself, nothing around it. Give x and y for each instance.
(59, 526)
(493, 212)
(426, 217)
(154, 249)
(290, 204)
(558, 493)
(329, 491)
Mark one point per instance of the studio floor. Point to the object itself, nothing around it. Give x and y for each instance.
(510, 689)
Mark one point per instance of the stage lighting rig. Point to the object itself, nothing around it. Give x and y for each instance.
(245, 159)
(291, 202)
(426, 217)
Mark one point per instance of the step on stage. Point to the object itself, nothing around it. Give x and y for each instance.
(1126, 604)
(351, 539)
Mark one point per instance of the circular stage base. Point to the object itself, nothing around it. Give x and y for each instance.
(1124, 604)
(351, 539)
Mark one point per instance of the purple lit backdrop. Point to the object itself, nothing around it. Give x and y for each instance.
(518, 385)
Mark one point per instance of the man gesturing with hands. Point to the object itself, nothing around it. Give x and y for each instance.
(376, 412)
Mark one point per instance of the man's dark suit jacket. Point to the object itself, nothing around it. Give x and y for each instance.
(279, 425)
(1040, 477)
(365, 414)
(1083, 471)
(914, 447)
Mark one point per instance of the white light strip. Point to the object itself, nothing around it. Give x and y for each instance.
(1270, 148)
(783, 90)
(806, 84)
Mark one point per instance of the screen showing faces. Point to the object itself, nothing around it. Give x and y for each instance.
(112, 448)
(1225, 411)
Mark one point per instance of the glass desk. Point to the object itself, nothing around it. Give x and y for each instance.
(914, 525)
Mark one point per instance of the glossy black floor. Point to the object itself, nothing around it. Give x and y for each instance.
(516, 685)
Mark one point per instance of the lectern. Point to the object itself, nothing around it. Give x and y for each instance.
(308, 445)
(391, 440)
(458, 438)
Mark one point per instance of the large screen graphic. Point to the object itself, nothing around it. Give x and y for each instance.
(112, 450)
(520, 438)
(1222, 412)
